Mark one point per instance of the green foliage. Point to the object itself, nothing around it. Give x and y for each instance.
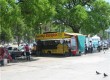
(98, 17)
(71, 13)
(24, 18)
(35, 12)
(10, 18)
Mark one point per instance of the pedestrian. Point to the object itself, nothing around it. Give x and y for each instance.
(103, 46)
(2, 56)
(27, 51)
(90, 47)
(99, 46)
(86, 49)
(69, 47)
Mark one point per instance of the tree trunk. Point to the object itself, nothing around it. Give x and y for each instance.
(103, 34)
(18, 40)
(75, 29)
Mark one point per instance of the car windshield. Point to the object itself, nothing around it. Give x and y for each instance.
(20, 47)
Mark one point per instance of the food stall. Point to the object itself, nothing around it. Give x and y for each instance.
(57, 43)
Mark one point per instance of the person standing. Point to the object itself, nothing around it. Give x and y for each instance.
(86, 48)
(2, 56)
(91, 47)
(99, 46)
(27, 52)
(69, 48)
(103, 46)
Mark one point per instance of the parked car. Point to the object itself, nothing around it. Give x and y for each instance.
(21, 48)
(105, 44)
(10, 49)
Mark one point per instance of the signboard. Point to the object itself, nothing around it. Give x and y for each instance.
(51, 36)
(55, 35)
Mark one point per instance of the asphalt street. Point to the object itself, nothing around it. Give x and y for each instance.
(59, 68)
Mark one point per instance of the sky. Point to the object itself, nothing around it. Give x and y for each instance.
(108, 1)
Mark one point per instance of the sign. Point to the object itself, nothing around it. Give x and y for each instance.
(51, 36)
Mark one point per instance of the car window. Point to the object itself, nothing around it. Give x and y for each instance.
(10, 48)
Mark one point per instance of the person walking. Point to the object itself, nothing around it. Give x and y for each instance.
(27, 52)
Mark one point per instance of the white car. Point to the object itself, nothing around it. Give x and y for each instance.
(21, 48)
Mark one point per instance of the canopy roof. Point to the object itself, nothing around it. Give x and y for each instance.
(55, 35)
(75, 34)
(96, 37)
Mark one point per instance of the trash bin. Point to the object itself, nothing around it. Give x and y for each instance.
(5, 61)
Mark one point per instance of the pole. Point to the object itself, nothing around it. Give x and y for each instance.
(40, 28)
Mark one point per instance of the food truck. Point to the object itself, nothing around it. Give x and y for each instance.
(58, 43)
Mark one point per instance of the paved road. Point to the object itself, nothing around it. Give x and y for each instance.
(59, 68)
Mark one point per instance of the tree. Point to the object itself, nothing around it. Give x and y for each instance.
(35, 12)
(11, 19)
(83, 14)
(98, 17)
(5, 32)
(24, 18)
(72, 13)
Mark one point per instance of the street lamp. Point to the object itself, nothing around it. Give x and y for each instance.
(40, 28)
(63, 28)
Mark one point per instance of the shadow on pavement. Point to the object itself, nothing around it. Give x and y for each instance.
(21, 60)
(53, 55)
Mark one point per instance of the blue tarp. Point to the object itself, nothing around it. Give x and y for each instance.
(81, 43)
